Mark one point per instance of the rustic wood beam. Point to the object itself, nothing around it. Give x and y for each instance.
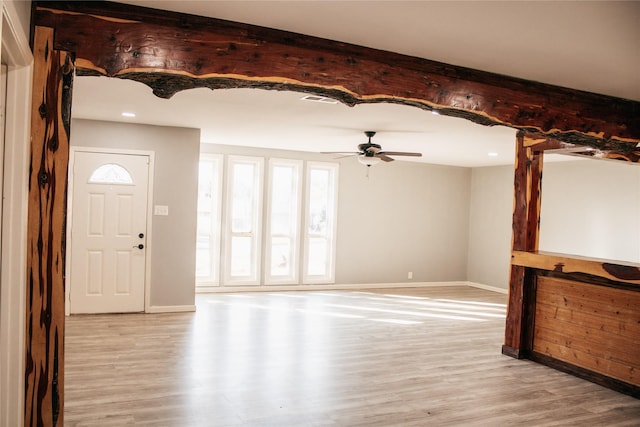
(624, 272)
(171, 52)
(541, 142)
(50, 123)
(633, 156)
(526, 225)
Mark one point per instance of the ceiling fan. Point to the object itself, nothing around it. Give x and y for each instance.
(370, 154)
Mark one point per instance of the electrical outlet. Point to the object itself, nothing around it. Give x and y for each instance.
(410, 275)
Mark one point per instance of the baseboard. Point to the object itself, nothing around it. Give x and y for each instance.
(586, 374)
(170, 308)
(487, 287)
(326, 287)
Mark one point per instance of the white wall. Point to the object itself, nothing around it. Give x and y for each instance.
(490, 216)
(19, 12)
(404, 217)
(175, 185)
(589, 208)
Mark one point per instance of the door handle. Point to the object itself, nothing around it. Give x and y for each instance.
(140, 246)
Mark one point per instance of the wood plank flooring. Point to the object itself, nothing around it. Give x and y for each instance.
(394, 357)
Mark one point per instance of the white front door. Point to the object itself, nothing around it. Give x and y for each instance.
(108, 232)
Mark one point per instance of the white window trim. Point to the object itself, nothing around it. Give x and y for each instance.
(256, 254)
(292, 279)
(215, 232)
(330, 277)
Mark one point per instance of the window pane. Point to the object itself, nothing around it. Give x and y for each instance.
(284, 221)
(208, 220)
(110, 174)
(204, 223)
(244, 214)
(317, 257)
(281, 256)
(319, 191)
(320, 239)
(203, 258)
(241, 256)
(206, 186)
(243, 198)
(283, 194)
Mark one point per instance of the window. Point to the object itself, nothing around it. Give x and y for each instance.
(244, 213)
(110, 174)
(320, 222)
(209, 209)
(283, 222)
(298, 242)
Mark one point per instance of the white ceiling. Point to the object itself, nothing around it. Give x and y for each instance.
(587, 45)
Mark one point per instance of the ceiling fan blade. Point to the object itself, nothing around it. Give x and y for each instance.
(400, 153)
(384, 157)
(342, 154)
(352, 130)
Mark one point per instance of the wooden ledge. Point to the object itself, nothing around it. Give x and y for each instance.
(619, 271)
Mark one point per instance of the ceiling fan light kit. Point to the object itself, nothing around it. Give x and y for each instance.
(368, 160)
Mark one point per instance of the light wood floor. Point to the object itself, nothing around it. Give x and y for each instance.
(395, 357)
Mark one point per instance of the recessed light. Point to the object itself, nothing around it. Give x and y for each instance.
(435, 112)
(128, 114)
(492, 154)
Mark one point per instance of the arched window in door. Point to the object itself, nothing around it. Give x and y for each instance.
(110, 173)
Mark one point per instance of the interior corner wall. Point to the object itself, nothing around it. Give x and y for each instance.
(404, 217)
(173, 245)
(589, 208)
(490, 217)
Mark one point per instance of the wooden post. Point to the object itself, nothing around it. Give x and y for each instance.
(526, 224)
(50, 123)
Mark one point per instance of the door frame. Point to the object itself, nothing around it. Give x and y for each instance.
(19, 58)
(148, 244)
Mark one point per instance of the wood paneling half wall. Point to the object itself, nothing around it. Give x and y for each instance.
(590, 326)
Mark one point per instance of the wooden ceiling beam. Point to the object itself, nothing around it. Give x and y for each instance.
(542, 143)
(171, 52)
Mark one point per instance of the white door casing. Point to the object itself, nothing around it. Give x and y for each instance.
(3, 114)
(109, 211)
(19, 58)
